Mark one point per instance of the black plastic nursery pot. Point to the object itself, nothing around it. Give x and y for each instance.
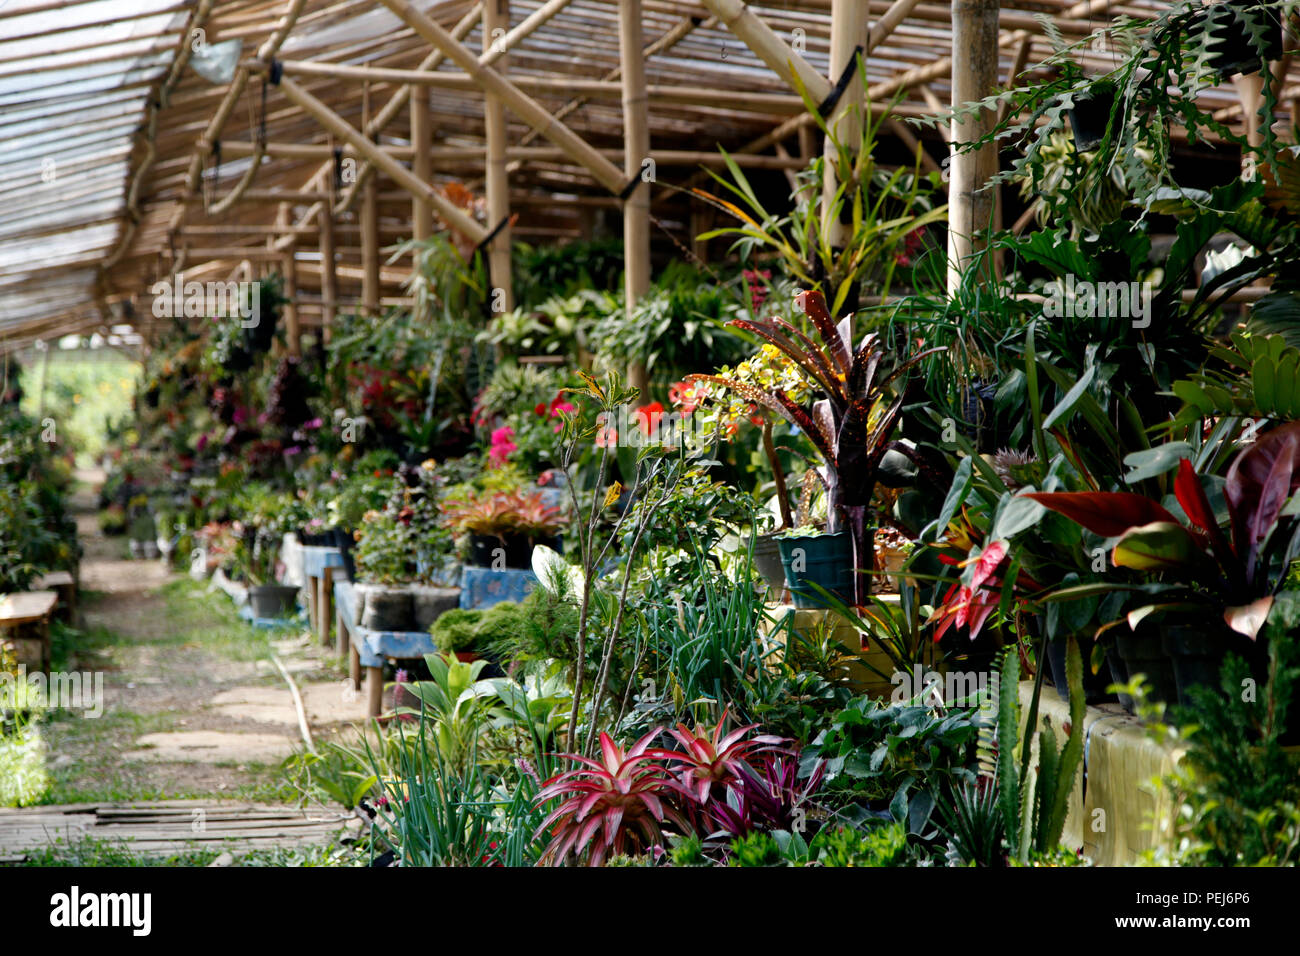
(1094, 685)
(1143, 653)
(1232, 48)
(512, 551)
(1197, 651)
(1089, 116)
(825, 560)
(272, 600)
(345, 542)
(388, 609)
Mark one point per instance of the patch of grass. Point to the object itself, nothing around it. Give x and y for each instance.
(90, 649)
(89, 767)
(97, 852)
(23, 777)
(211, 621)
(91, 852)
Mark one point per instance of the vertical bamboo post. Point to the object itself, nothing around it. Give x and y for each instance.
(699, 225)
(370, 246)
(850, 20)
(636, 149)
(421, 164)
(496, 24)
(289, 268)
(329, 282)
(1250, 89)
(974, 76)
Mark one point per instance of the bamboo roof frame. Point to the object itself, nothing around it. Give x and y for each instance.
(167, 170)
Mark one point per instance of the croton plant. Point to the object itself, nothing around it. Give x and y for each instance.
(1236, 570)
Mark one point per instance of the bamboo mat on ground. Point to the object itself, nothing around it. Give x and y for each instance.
(159, 828)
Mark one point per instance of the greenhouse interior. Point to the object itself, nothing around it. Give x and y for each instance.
(428, 434)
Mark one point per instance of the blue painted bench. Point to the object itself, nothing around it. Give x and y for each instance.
(370, 649)
(319, 567)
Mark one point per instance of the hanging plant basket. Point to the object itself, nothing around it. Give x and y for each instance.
(1090, 114)
(1233, 45)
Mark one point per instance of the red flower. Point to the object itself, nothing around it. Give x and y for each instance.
(648, 417)
(540, 409)
(685, 396)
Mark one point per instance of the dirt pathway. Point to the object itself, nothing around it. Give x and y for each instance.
(192, 705)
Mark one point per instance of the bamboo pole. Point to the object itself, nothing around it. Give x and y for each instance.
(288, 269)
(550, 86)
(669, 40)
(848, 35)
(370, 247)
(236, 89)
(636, 148)
(451, 154)
(974, 75)
(329, 283)
(421, 163)
(771, 49)
(522, 105)
(449, 213)
(385, 116)
(496, 17)
(462, 29)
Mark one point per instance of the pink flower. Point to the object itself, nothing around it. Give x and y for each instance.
(502, 447)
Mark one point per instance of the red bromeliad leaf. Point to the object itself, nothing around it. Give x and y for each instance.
(866, 362)
(816, 352)
(813, 428)
(1107, 513)
(804, 360)
(813, 304)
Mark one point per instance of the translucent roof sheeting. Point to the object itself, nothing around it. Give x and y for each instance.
(96, 113)
(74, 79)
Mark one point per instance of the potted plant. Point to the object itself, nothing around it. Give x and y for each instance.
(265, 516)
(1213, 588)
(1243, 35)
(142, 529)
(384, 564)
(256, 555)
(1090, 115)
(456, 633)
(851, 425)
(810, 556)
(503, 526)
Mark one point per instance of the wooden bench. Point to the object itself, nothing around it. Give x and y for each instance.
(62, 583)
(30, 611)
(368, 650)
(319, 566)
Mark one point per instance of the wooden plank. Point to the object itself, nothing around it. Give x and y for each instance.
(26, 607)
